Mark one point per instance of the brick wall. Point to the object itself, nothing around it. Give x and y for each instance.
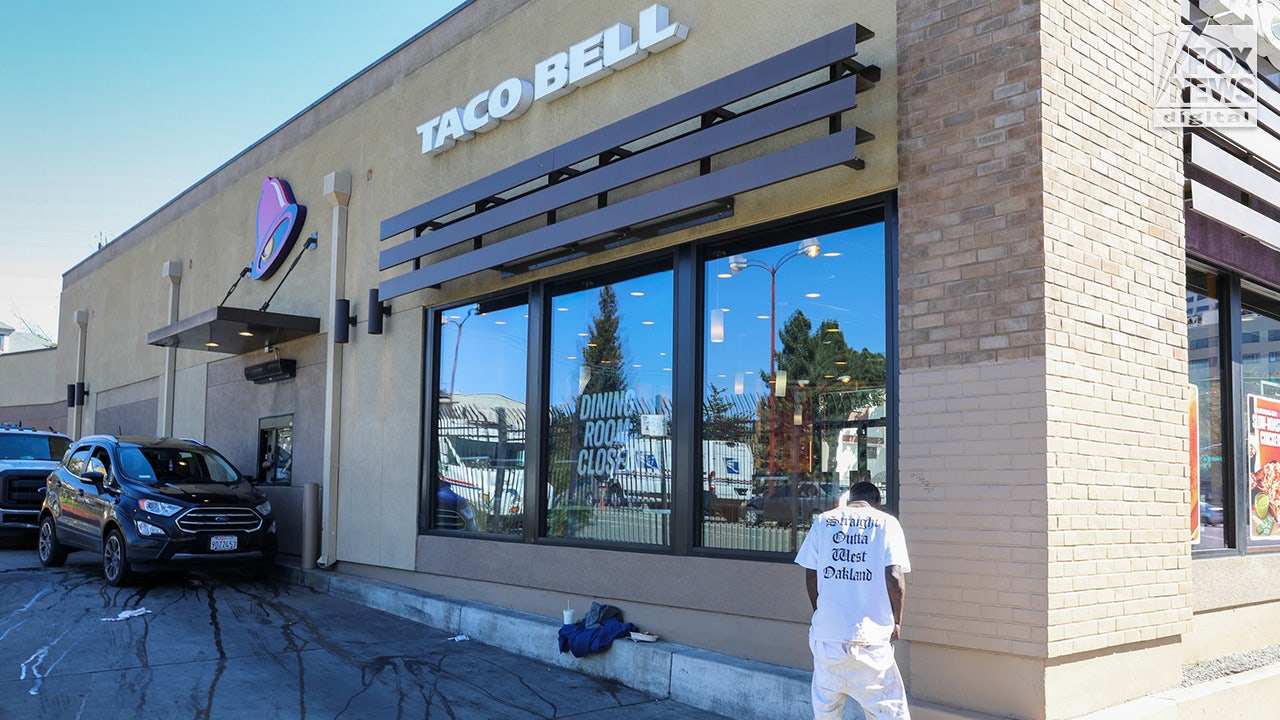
(1042, 329)
(1115, 302)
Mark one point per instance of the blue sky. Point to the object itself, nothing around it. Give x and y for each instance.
(109, 110)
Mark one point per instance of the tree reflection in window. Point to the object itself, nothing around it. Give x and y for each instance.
(793, 414)
(609, 465)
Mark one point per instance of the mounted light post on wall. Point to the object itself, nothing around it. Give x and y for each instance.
(377, 311)
(343, 321)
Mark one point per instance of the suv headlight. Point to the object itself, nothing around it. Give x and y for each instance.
(155, 507)
(264, 509)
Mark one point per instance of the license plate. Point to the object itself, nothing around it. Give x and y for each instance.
(223, 542)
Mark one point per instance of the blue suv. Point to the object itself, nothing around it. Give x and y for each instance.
(148, 503)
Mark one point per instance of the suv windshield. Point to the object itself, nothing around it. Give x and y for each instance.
(176, 465)
(32, 447)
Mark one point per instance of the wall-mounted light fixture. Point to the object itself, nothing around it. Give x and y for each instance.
(343, 320)
(81, 390)
(377, 311)
(71, 395)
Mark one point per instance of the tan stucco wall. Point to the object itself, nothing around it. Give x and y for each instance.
(29, 393)
(738, 607)
(25, 378)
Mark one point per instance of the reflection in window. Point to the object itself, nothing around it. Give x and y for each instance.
(1202, 338)
(275, 450)
(609, 464)
(14, 446)
(480, 422)
(794, 389)
(1260, 316)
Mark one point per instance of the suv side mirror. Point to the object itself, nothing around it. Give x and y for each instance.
(93, 476)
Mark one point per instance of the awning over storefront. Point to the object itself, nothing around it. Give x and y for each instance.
(233, 330)
(814, 83)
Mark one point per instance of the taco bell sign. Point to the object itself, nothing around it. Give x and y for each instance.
(587, 61)
(278, 223)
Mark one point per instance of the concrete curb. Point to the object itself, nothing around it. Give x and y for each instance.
(1244, 694)
(729, 686)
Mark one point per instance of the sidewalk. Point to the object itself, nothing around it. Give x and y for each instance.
(727, 686)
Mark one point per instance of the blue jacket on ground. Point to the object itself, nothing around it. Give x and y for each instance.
(581, 640)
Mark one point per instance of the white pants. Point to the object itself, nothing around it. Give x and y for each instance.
(866, 673)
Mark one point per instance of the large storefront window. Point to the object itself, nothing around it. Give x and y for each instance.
(609, 424)
(480, 423)
(1234, 324)
(730, 442)
(1204, 373)
(794, 383)
(1260, 380)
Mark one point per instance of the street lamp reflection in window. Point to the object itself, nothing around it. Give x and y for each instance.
(809, 247)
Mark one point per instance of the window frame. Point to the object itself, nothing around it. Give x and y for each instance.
(271, 426)
(658, 262)
(1230, 357)
(686, 262)
(880, 209)
(428, 499)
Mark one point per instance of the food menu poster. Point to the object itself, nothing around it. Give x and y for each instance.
(1264, 467)
(1193, 425)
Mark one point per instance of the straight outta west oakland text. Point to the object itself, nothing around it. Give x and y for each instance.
(846, 539)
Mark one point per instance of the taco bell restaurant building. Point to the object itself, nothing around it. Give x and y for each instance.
(565, 301)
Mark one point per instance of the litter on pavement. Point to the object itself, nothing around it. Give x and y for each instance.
(126, 614)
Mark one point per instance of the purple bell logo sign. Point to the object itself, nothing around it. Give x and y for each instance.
(280, 221)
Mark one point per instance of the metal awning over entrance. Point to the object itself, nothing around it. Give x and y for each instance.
(234, 331)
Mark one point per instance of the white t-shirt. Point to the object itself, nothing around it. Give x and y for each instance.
(850, 547)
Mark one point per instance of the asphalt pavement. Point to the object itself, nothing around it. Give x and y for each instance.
(210, 646)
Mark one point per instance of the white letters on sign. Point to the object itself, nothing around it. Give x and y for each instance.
(585, 62)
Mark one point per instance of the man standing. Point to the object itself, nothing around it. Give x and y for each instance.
(855, 558)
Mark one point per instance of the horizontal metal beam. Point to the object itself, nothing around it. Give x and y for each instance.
(769, 120)
(1235, 215)
(1231, 169)
(763, 75)
(795, 161)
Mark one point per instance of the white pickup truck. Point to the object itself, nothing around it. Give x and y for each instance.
(27, 456)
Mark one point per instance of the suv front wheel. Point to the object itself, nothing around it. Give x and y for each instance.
(52, 553)
(115, 565)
